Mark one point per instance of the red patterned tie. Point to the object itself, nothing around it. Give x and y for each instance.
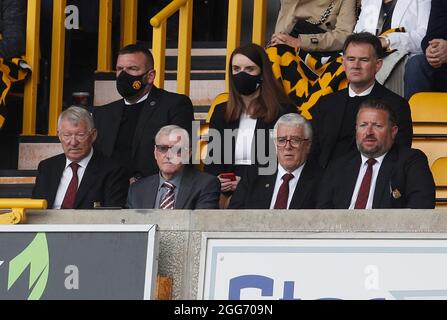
(283, 192)
(70, 195)
(362, 197)
(167, 202)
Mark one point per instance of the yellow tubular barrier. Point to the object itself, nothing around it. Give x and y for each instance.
(184, 49)
(234, 31)
(158, 23)
(259, 22)
(32, 58)
(167, 11)
(18, 206)
(57, 65)
(105, 36)
(130, 22)
(159, 52)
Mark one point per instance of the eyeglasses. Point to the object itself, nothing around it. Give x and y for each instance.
(81, 137)
(163, 149)
(294, 141)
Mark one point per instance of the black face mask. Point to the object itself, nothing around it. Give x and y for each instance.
(245, 83)
(129, 86)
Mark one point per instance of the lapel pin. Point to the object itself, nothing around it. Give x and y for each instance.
(152, 103)
(267, 185)
(396, 194)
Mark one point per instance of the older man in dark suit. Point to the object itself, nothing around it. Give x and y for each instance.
(294, 184)
(178, 185)
(380, 174)
(80, 178)
(127, 127)
(334, 115)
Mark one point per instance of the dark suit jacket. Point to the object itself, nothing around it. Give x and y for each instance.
(403, 169)
(104, 181)
(219, 123)
(328, 119)
(12, 28)
(160, 109)
(256, 192)
(198, 190)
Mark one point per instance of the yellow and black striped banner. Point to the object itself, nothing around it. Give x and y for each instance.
(11, 71)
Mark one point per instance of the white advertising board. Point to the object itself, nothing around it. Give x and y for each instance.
(372, 266)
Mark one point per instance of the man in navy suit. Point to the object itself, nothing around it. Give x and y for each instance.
(80, 178)
(380, 174)
(127, 127)
(294, 184)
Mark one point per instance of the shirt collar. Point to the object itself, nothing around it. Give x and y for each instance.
(296, 172)
(141, 100)
(83, 163)
(175, 181)
(362, 94)
(378, 159)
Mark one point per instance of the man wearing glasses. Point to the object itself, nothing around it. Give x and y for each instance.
(177, 185)
(295, 182)
(80, 178)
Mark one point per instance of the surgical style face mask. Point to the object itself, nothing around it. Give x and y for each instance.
(129, 86)
(245, 83)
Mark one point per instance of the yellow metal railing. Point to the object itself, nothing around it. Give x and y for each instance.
(129, 16)
(158, 23)
(17, 207)
(32, 58)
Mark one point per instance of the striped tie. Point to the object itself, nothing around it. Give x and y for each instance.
(167, 202)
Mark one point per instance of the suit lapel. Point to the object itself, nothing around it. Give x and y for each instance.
(264, 190)
(88, 179)
(302, 188)
(149, 107)
(351, 173)
(335, 121)
(113, 127)
(383, 183)
(55, 179)
(152, 190)
(185, 188)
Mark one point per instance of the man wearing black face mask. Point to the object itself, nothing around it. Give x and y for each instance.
(127, 127)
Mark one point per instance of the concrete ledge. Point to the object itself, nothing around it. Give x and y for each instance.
(181, 231)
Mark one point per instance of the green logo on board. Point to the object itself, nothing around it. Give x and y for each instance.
(35, 256)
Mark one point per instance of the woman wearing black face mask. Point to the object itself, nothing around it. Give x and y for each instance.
(255, 101)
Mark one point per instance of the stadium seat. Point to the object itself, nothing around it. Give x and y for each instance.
(439, 171)
(222, 97)
(429, 114)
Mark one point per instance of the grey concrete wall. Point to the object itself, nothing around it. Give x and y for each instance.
(181, 231)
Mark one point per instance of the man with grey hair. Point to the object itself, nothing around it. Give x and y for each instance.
(294, 184)
(380, 173)
(178, 185)
(80, 178)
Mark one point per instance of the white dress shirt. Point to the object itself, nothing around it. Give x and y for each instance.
(244, 140)
(352, 94)
(141, 99)
(292, 184)
(67, 174)
(362, 171)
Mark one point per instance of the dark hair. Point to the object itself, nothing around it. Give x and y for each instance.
(135, 48)
(365, 38)
(380, 105)
(267, 105)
